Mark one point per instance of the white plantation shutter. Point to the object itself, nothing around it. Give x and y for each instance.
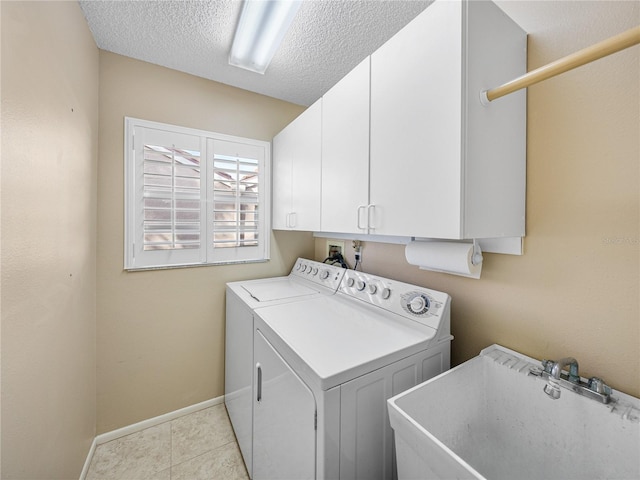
(171, 197)
(238, 200)
(193, 197)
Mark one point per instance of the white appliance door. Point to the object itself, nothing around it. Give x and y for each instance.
(284, 410)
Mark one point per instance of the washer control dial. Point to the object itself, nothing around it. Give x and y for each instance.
(416, 303)
(386, 293)
(372, 289)
(350, 282)
(360, 285)
(324, 274)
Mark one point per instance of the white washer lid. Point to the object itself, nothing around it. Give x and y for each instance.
(340, 339)
(277, 290)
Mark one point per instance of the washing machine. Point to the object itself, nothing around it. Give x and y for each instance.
(308, 279)
(324, 368)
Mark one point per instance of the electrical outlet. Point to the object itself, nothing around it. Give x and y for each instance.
(357, 249)
(334, 247)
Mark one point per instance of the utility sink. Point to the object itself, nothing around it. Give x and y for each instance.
(490, 419)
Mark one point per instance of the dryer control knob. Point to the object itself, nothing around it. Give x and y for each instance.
(315, 271)
(324, 274)
(417, 304)
(386, 293)
(372, 289)
(303, 269)
(360, 285)
(350, 282)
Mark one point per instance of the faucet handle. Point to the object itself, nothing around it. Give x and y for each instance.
(552, 389)
(547, 365)
(597, 385)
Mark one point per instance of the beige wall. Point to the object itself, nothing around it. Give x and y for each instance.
(161, 333)
(576, 290)
(49, 163)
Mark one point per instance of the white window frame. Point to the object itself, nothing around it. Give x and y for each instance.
(210, 143)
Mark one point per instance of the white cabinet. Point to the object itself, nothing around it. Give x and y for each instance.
(442, 165)
(296, 172)
(345, 153)
(403, 146)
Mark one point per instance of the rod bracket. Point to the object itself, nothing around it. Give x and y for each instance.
(484, 98)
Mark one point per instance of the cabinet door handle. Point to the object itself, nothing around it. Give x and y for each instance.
(291, 220)
(294, 218)
(360, 208)
(371, 223)
(258, 382)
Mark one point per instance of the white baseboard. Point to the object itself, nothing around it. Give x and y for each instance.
(151, 422)
(87, 462)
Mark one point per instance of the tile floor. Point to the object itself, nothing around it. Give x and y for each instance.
(198, 446)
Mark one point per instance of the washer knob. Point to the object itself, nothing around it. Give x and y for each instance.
(386, 293)
(360, 285)
(315, 271)
(298, 266)
(372, 289)
(324, 274)
(350, 282)
(304, 268)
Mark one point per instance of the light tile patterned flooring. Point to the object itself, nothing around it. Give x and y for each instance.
(198, 446)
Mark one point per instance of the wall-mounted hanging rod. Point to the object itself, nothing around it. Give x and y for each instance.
(602, 49)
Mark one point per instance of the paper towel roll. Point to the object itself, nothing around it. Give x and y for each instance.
(448, 257)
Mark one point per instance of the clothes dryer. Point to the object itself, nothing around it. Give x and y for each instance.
(308, 279)
(325, 367)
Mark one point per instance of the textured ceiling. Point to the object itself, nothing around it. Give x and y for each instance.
(326, 39)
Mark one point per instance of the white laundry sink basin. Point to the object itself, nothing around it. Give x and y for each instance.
(490, 419)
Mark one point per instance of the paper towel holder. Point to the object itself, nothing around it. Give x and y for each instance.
(455, 257)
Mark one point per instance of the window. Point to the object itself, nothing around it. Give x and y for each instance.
(193, 197)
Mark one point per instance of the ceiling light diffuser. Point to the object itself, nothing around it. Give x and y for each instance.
(262, 26)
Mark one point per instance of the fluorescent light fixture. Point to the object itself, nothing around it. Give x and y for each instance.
(262, 26)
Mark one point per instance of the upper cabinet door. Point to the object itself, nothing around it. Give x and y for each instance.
(296, 172)
(345, 153)
(416, 107)
(442, 164)
(282, 160)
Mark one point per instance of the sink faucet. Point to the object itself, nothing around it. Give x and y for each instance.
(593, 388)
(552, 388)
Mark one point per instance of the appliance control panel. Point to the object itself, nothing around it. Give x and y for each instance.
(318, 273)
(417, 303)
